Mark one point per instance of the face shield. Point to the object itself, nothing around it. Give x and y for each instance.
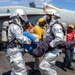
(21, 16)
(48, 18)
(23, 19)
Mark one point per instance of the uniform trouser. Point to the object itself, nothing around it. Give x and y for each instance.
(68, 58)
(36, 65)
(47, 66)
(17, 62)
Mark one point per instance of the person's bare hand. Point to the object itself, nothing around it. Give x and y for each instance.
(37, 40)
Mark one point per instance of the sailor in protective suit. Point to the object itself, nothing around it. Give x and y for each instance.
(47, 66)
(15, 39)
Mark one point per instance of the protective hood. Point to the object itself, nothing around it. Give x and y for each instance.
(53, 20)
(15, 21)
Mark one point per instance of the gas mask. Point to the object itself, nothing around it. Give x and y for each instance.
(42, 24)
(48, 18)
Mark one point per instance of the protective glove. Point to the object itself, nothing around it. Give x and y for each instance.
(28, 40)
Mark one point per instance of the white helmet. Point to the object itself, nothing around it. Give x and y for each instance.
(20, 13)
(16, 12)
(52, 12)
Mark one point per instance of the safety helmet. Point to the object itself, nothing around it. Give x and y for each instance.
(71, 26)
(41, 20)
(17, 12)
(52, 12)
